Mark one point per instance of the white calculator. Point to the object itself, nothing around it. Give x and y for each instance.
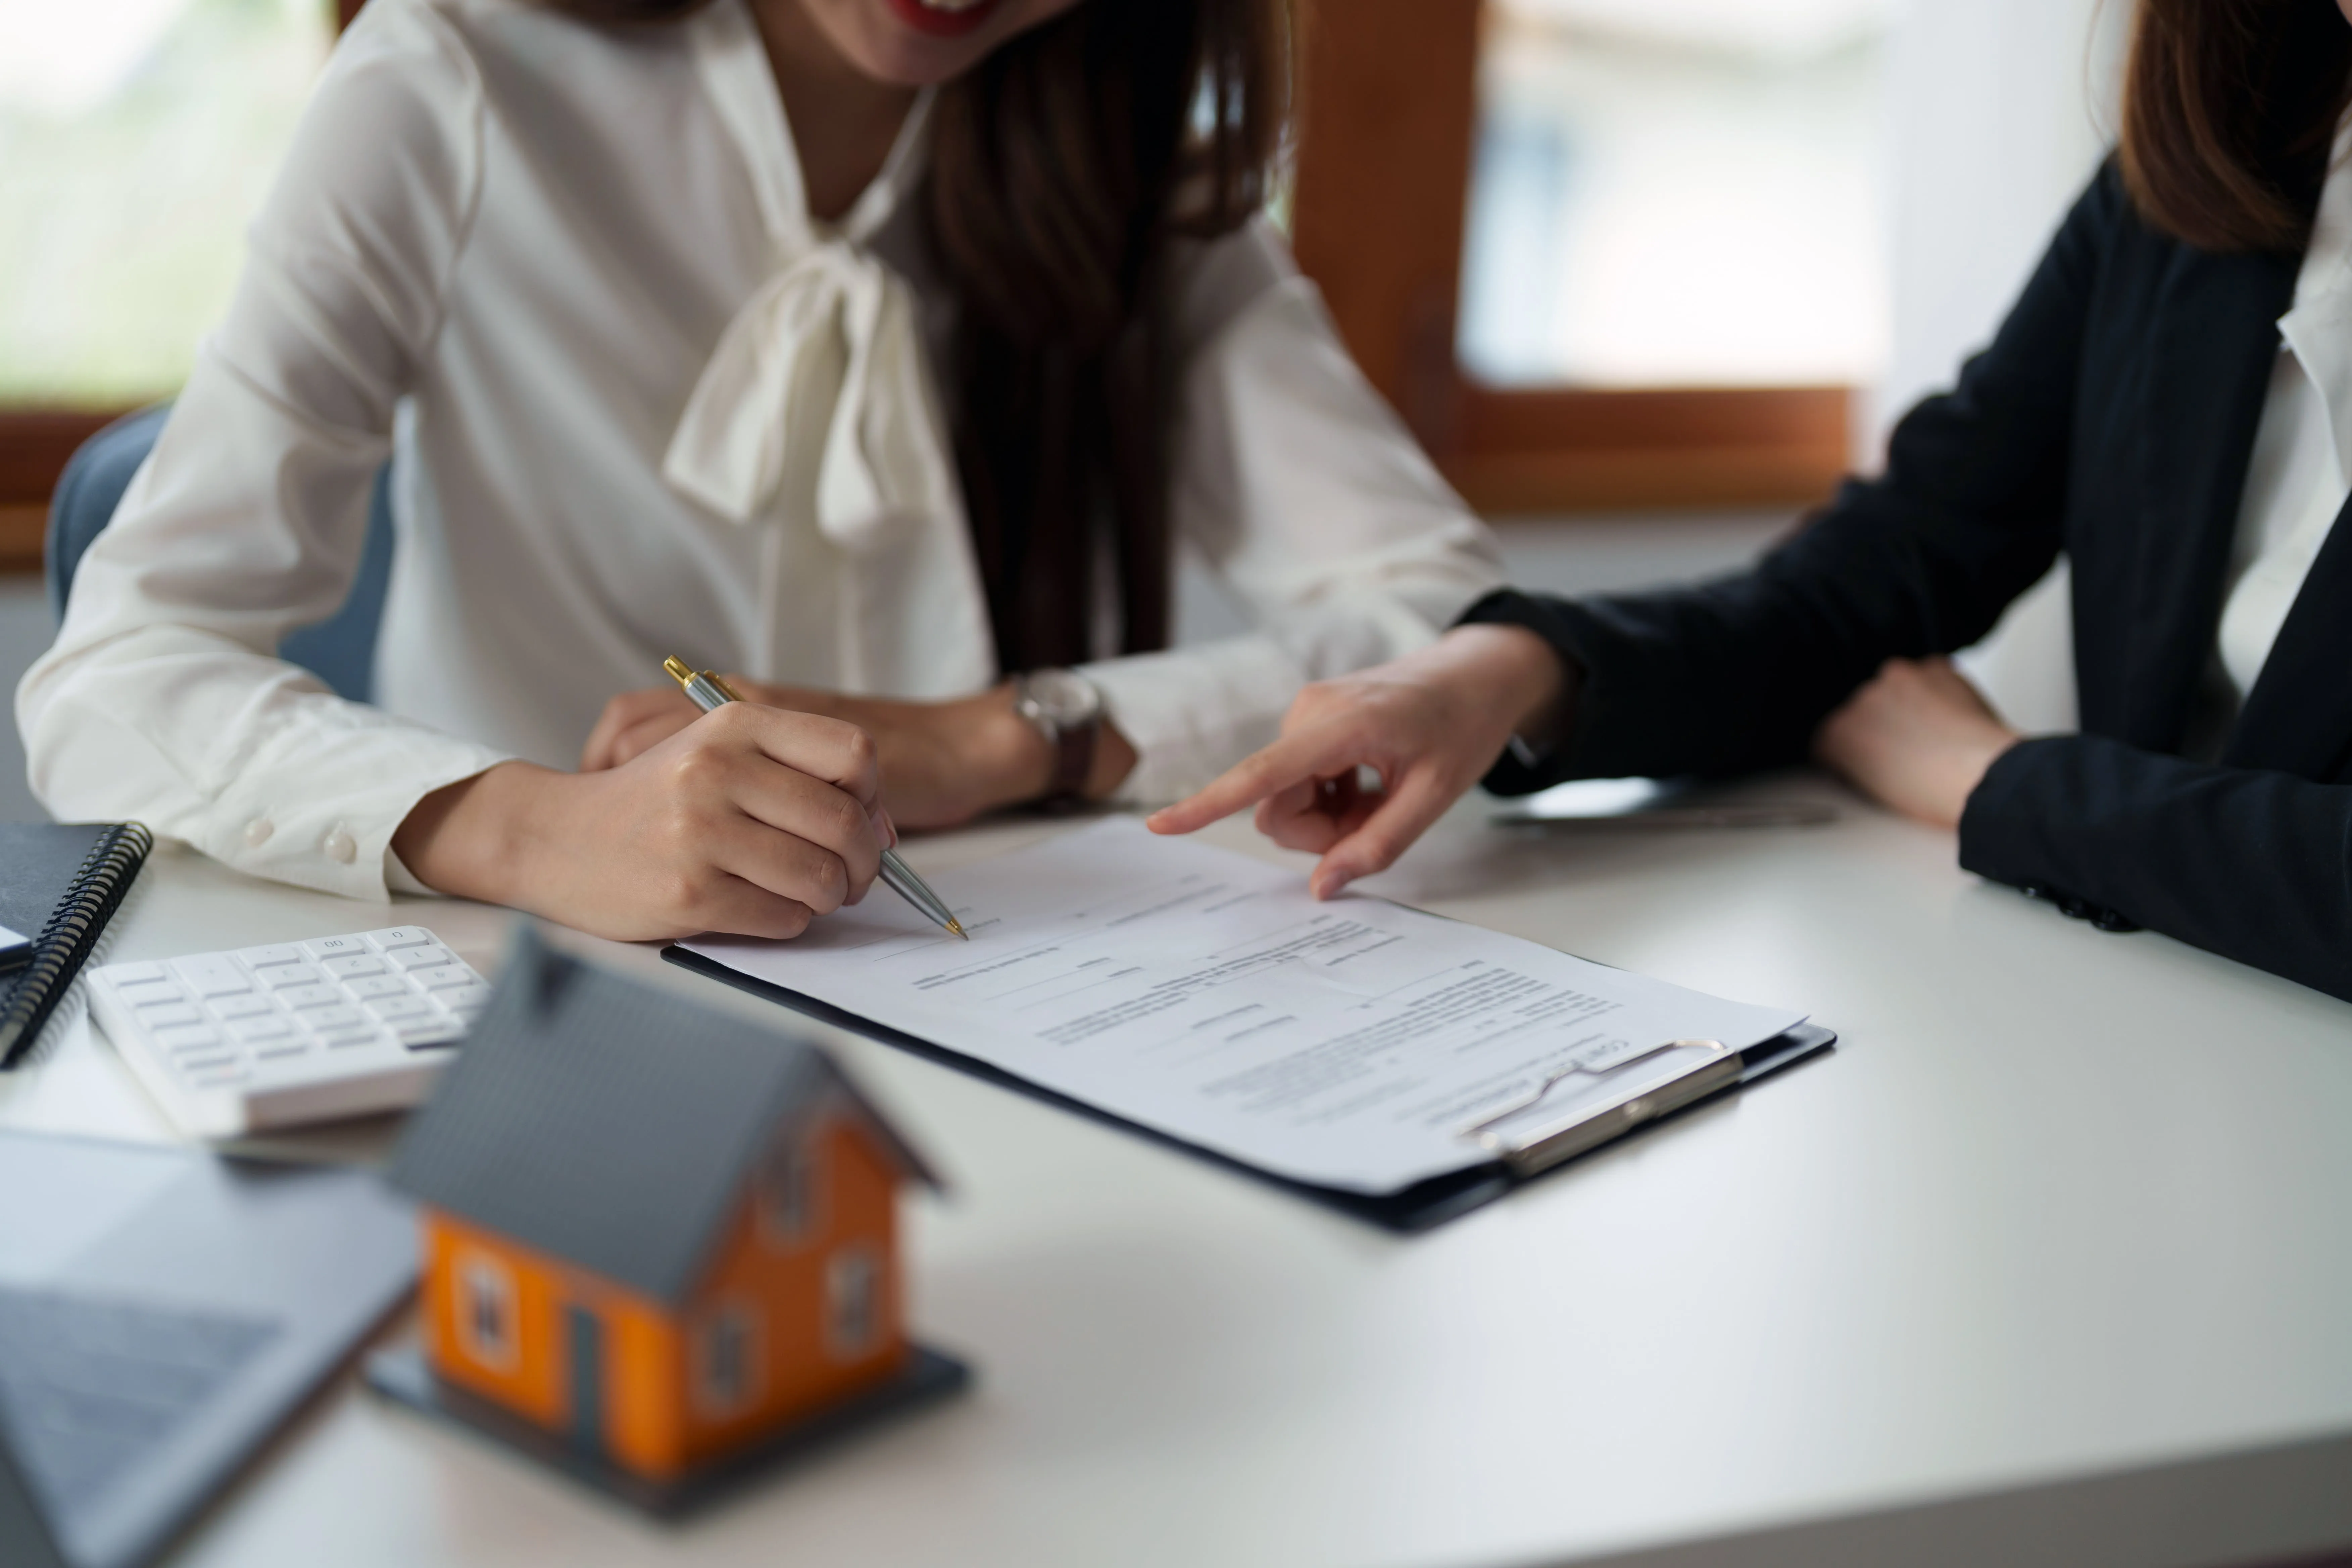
(305, 1031)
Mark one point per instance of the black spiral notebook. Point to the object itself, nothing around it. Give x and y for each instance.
(60, 884)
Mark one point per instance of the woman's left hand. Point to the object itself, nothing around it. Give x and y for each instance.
(942, 763)
(1919, 738)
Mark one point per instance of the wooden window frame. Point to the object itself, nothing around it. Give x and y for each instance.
(1388, 126)
(34, 446)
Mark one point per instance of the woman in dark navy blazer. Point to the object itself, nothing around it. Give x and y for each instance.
(2114, 417)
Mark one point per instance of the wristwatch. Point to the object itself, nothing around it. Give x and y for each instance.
(1064, 707)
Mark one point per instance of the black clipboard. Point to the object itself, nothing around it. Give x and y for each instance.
(1408, 1211)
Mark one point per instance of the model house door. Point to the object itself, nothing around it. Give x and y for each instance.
(586, 1337)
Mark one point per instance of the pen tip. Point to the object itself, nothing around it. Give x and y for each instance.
(956, 926)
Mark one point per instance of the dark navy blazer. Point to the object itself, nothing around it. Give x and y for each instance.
(2111, 419)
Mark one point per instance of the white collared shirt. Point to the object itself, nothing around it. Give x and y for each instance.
(641, 405)
(2298, 479)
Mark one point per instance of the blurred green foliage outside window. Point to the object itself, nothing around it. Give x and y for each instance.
(137, 139)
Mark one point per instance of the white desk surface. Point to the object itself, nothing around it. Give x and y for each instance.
(2050, 1261)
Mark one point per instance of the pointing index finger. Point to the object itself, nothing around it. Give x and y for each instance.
(1294, 759)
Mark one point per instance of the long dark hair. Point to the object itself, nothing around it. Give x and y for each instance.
(1062, 167)
(2230, 109)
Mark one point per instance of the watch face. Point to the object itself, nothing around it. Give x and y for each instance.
(1065, 698)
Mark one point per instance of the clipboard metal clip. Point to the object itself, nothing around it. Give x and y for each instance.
(1547, 1144)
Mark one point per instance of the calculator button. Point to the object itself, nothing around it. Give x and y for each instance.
(214, 974)
(476, 995)
(430, 956)
(369, 987)
(151, 995)
(136, 973)
(332, 947)
(291, 974)
(280, 1053)
(311, 995)
(271, 1027)
(446, 977)
(400, 936)
(346, 966)
(401, 1008)
(341, 1016)
(426, 1032)
(252, 1004)
(265, 957)
(169, 1013)
(187, 1036)
(339, 1039)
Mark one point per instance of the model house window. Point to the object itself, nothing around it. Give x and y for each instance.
(853, 1301)
(485, 1311)
(729, 1374)
(790, 1181)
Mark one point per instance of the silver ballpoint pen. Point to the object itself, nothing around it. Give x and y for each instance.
(707, 691)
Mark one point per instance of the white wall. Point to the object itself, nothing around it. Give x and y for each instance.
(2000, 111)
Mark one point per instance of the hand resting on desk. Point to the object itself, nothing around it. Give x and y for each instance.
(748, 821)
(1917, 737)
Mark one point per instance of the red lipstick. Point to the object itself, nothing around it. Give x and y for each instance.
(941, 23)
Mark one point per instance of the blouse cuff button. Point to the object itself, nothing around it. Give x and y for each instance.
(257, 832)
(339, 845)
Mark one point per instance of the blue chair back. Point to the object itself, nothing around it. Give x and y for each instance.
(340, 650)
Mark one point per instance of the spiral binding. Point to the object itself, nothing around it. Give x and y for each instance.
(65, 943)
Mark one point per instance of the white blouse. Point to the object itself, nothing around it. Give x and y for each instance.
(640, 403)
(2299, 478)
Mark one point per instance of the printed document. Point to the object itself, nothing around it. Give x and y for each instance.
(1209, 996)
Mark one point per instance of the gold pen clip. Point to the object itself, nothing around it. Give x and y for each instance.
(687, 678)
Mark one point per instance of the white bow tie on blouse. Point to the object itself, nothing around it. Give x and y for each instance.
(833, 341)
(830, 340)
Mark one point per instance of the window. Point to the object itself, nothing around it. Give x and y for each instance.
(853, 1301)
(485, 1311)
(137, 139)
(140, 136)
(1676, 193)
(791, 1183)
(727, 1379)
(1490, 319)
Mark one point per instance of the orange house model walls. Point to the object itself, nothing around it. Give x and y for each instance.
(800, 1306)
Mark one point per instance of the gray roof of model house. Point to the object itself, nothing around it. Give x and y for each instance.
(611, 1123)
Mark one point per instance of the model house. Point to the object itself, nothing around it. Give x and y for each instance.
(653, 1229)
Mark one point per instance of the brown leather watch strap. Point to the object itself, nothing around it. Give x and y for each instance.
(1074, 747)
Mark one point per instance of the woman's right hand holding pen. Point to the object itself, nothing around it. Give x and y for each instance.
(750, 821)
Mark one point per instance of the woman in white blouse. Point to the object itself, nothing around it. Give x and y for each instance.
(872, 409)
